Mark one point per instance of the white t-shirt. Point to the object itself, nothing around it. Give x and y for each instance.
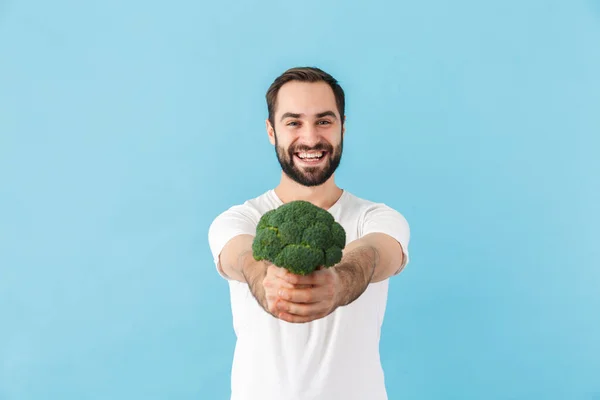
(336, 357)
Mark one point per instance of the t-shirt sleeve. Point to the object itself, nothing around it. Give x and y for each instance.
(381, 218)
(237, 220)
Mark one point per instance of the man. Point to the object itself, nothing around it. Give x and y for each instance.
(309, 337)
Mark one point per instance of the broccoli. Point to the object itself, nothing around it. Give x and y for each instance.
(299, 237)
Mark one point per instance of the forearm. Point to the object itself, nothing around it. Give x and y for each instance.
(236, 256)
(253, 273)
(355, 271)
(373, 258)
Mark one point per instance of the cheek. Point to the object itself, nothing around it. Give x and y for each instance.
(284, 148)
(284, 143)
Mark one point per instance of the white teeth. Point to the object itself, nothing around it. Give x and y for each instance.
(310, 155)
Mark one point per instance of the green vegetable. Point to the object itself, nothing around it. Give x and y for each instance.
(299, 237)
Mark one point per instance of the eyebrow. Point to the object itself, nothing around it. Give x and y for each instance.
(319, 115)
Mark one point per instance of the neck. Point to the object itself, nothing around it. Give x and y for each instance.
(323, 196)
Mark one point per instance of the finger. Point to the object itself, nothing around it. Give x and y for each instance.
(300, 286)
(278, 271)
(301, 309)
(299, 279)
(277, 283)
(289, 278)
(314, 278)
(323, 276)
(283, 284)
(297, 319)
(274, 306)
(310, 295)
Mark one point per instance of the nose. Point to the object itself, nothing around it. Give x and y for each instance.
(309, 136)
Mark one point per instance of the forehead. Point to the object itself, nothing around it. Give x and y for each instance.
(305, 98)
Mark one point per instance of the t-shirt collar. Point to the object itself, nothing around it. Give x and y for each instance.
(335, 205)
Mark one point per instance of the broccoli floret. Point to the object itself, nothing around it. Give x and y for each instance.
(300, 237)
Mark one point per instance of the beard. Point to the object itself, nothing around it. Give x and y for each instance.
(309, 176)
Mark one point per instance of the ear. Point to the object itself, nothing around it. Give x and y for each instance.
(344, 127)
(270, 131)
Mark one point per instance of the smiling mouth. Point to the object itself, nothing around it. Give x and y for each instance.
(310, 157)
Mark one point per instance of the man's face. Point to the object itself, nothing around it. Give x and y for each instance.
(308, 133)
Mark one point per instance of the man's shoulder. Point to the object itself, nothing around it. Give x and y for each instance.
(363, 208)
(353, 199)
(360, 203)
(263, 202)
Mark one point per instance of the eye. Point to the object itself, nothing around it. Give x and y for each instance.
(292, 123)
(324, 122)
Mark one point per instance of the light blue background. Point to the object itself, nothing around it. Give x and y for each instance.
(127, 126)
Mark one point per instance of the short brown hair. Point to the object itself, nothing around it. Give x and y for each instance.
(304, 74)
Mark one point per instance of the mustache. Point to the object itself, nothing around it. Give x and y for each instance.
(318, 147)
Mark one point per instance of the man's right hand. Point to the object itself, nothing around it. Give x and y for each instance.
(265, 281)
(273, 283)
(263, 278)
